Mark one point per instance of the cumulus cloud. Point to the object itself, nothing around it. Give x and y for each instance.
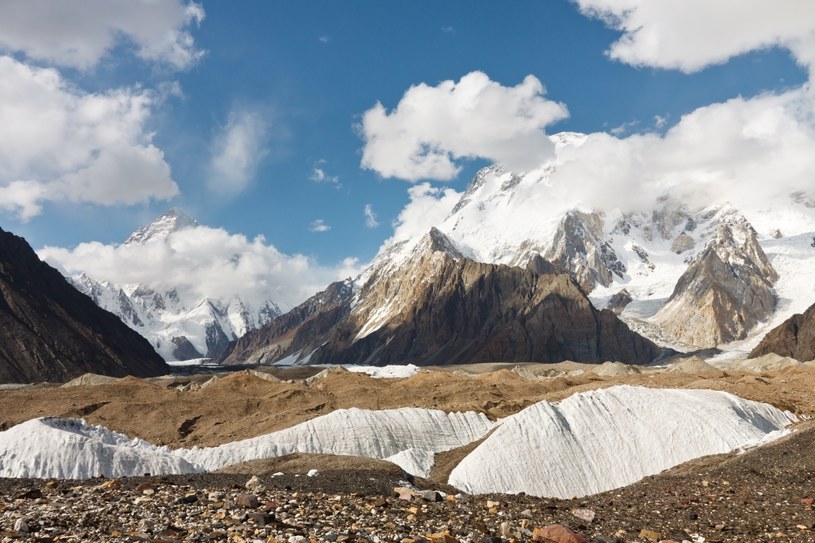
(746, 151)
(428, 206)
(432, 128)
(370, 217)
(319, 225)
(691, 34)
(319, 175)
(78, 33)
(59, 143)
(208, 262)
(238, 148)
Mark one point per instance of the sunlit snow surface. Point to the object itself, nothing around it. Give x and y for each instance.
(358, 432)
(588, 443)
(605, 439)
(70, 449)
(385, 372)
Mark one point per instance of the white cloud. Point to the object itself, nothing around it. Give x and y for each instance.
(448, 29)
(59, 143)
(750, 152)
(428, 206)
(78, 33)
(208, 262)
(433, 127)
(660, 121)
(319, 175)
(370, 217)
(624, 128)
(691, 34)
(238, 148)
(319, 225)
(324, 39)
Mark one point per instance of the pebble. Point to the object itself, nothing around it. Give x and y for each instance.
(20, 525)
(177, 511)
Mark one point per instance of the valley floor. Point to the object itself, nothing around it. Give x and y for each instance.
(759, 496)
(764, 494)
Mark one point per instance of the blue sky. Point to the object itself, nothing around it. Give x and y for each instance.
(252, 98)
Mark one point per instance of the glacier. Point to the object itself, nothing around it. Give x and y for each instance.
(384, 434)
(605, 439)
(52, 447)
(588, 443)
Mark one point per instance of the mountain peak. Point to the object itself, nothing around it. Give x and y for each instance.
(172, 220)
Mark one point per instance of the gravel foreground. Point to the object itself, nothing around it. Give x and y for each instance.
(764, 495)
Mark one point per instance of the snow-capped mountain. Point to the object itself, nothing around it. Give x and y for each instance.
(180, 324)
(685, 276)
(436, 307)
(697, 277)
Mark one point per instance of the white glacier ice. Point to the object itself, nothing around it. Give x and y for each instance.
(54, 447)
(605, 439)
(587, 443)
(357, 432)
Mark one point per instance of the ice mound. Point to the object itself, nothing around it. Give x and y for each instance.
(605, 439)
(407, 436)
(54, 447)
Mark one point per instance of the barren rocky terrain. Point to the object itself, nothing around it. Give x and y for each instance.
(764, 494)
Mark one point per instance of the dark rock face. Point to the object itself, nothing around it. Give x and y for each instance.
(619, 301)
(488, 313)
(49, 331)
(795, 337)
(283, 334)
(217, 340)
(442, 308)
(184, 349)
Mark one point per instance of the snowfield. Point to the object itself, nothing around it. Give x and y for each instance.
(588, 443)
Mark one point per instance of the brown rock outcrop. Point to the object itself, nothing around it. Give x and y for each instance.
(442, 308)
(726, 290)
(579, 247)
(49, 331)
(280, 336)
(795, 337)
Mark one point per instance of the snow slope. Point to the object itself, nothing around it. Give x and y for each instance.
(605, 439)
(178, 322)
(408, 436)
(70, 449)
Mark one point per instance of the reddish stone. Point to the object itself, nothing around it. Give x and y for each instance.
(557, 533)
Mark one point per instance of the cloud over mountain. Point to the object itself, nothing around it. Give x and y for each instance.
(432, 128)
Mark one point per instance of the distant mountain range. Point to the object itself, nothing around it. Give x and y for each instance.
(489, 282)
(509, 276)
(51, 332)
(180, 324)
